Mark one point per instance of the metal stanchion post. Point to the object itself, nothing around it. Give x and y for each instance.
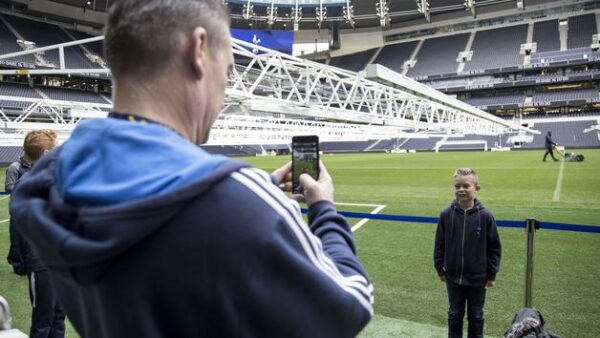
(531, 224)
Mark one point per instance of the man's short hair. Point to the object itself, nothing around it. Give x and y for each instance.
(142, 37)
(467, 172)
(37, 142)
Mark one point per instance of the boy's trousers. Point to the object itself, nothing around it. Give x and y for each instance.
(47, 317)
(474, 297)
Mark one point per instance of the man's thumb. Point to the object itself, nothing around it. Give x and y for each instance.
(306, 180)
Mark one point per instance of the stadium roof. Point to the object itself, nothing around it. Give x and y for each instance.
(301, 14)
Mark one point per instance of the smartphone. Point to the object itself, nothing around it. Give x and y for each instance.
(305, 159)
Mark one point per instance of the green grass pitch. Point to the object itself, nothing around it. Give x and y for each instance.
(409, 300)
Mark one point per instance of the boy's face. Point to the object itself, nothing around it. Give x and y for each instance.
(465, 188)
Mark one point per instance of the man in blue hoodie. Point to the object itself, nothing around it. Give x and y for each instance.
(147, 235)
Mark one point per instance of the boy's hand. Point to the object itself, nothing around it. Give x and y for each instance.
(490, 283)
(443, 278)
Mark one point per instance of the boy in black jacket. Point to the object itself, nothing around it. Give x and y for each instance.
(466, 254)
(13, 173)
(47, 315)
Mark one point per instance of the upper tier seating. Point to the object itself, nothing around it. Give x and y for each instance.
(44, 34)
(8, 44)
(354, 62)
(17, 90)
(566, 95)
(496, 100)
(497, 48)
(546, 35)
(394, 56)
(581, 29)
(73, 95)
(438, 56)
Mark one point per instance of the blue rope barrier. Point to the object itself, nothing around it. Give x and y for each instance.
(422, 219)
(434, 220)
(570, 227)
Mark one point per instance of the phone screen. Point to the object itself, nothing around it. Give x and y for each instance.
(305, 159)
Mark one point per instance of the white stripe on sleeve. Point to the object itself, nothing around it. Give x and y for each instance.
(355, 285)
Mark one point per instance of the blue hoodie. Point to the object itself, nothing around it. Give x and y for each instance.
(147, 235)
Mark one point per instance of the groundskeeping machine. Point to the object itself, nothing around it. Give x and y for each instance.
(569, 157)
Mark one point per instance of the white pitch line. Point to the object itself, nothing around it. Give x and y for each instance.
(559, 180)
(5, 197)
(365, 220)
(4, 221)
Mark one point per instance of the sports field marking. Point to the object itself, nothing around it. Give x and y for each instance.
(559, 180)
(5, 197)
(365, 220)
(378, 208)
(4, 221)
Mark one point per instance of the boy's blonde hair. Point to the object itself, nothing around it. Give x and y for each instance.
(37, 142)
(467, 172)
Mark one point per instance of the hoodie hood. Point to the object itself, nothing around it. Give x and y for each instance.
(477, 206)
(112, 161)
(110, 186)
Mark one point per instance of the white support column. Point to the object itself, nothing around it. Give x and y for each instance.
(375, 55)
(530, 33)
(461, 65)
(470, 41)
(61, 57)
(563, 33)
(413, 56)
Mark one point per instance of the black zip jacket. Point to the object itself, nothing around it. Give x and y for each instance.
(467, 246)
(549, 143)
(20, 256)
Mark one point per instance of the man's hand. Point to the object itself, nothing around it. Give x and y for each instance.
(490, 283)
(443, 278)
(316, 191)
(283, 175)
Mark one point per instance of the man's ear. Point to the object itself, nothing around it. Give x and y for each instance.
(198, 51)
(477, 187)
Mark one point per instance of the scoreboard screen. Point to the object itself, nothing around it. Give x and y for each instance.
(281, 41)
